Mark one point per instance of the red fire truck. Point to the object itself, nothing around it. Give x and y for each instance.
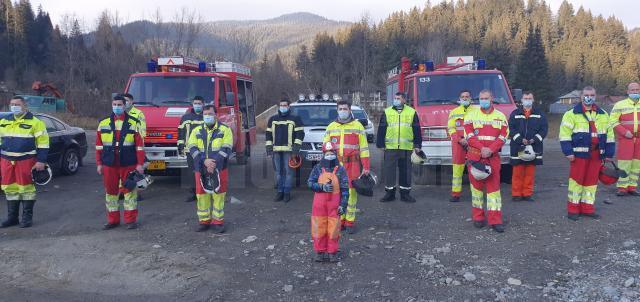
(164, 94)
(433, 91)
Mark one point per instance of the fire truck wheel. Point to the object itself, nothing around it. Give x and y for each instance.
(505, 173)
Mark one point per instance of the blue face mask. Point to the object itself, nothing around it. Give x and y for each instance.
(485, 103)
(16, 109)
(118, 110)
(397, 103)
(197, 108)
(527, 103)
(464, 102)
(634, 96)
(330, 156)
(209, 119)
(588, 100)
(283, 109)
(343, 115)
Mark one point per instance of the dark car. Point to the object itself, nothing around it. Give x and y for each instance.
(67, 144)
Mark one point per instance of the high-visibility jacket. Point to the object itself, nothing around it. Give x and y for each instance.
(485, 128)
(142, 121)
(188, 122)
(455, 124)
(577, 135)
(399, 129)
(284, 133)
(351, 140)
(23, 137)
(215, 142)
(118, 142)
(625, 117)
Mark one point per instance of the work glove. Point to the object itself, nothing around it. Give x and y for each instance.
(181, 149)
(316, 187)
(341, 210)
(327, 188)
(296, 149)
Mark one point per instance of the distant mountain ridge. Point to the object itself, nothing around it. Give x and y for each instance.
(282, 34)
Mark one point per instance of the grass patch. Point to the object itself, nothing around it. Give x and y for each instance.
(76, 120)
(554, 125)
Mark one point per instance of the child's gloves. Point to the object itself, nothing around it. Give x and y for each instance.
(327, 188)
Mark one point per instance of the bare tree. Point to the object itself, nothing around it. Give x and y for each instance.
(244, 43)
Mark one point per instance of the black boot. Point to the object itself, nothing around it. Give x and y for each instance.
(27, 213)
(390, 195)
(13, 208)
(279, 197)
(404, 196)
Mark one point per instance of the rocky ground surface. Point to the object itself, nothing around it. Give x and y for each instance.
(427, 251)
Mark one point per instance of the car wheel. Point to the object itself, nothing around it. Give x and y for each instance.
(70, 162)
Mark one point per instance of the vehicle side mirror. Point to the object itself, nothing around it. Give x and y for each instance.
(364, 122)
(517, 94)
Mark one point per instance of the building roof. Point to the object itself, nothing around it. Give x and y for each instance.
(571, 95)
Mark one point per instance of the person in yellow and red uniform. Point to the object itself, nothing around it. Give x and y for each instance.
(210, 146)
(350, 139)
(24, 145)
(330, 182)
(455, 127)
(487, 132)
(142, 128)
(625, 120)
(119, 151)
(586, 140)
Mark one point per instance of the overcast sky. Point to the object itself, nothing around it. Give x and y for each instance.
(344, 10)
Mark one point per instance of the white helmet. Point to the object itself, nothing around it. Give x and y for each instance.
(479, 170)
(336, 97)
(527, 154)
(144, 182)
(418, 158)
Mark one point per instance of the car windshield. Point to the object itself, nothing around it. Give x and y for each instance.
(315, 115)
(445, 89)
(171, 90)
(359, 114)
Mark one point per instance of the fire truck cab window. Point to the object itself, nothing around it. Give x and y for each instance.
(409, 91)
(391, 92)
(227, 97)
(445, 89)
(166, 90)
(251, 108)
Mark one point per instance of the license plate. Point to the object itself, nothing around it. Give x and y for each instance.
(314, 157)
(157, 165)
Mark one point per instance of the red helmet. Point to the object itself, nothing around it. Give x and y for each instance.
(295, 161)
(328, 146)
(609, 176)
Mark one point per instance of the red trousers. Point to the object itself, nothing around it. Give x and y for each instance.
(522, 180)
(491, 185)
(325, 222)
(583, 183)
(112, 177)
(17, 182)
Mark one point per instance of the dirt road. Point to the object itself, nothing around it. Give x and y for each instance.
(427, 251)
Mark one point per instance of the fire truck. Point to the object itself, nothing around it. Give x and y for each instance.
(164, 94)
(433, 90)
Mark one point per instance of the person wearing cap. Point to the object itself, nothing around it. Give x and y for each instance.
(189, 121)
(119, 151)
(283, 139)
(210, 145)
(330, 182)
(455, 128)
(625, 121)
(527, 128)
(24, 145)
(399, 135)
(350, 139)
(586, 139)
(486, 129)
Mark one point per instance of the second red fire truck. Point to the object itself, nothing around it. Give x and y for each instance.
(433, 91)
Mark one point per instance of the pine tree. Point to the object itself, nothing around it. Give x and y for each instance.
(533, 71)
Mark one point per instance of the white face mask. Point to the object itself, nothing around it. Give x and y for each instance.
(330, 156)
(16, 109)
(209, 119)
(343, 114)
(527, 103)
